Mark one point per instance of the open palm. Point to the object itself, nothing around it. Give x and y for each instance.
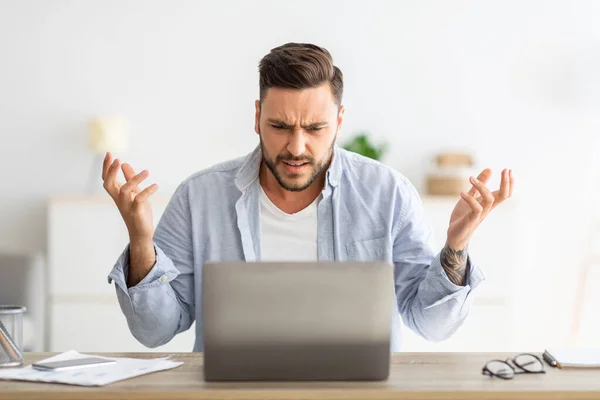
(129, 197)
(475, 205)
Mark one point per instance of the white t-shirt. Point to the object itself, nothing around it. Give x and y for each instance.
(288, 237)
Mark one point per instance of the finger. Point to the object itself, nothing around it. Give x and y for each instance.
(476, 208)
(106, 164)
(473, 192)
(484, 177)
(128, 171)
(145, 194)
(131, 184)
(110, 183)
(504, 192)
(511, 182)
(487, 198)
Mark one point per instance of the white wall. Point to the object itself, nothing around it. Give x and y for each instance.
(515, 81)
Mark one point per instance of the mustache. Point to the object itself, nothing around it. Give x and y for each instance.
(289, 157)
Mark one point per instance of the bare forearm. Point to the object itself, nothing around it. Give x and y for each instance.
(142, 258)
(454, 263)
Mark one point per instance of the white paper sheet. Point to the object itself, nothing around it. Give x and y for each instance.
(125, 368)
(576, 357)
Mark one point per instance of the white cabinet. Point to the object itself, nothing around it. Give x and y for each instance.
(91, 325)
(497, 247)
(85, 238)
(84, 241)
(87, 235)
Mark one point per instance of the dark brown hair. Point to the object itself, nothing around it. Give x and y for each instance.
(300, 66)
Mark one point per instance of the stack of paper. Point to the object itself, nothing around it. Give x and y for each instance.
(574, 358)
(95, 376)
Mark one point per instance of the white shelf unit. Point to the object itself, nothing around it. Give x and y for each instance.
(86, 235)
(496, 247)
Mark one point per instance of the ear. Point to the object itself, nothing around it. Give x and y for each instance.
(340, 120)
(257, 117)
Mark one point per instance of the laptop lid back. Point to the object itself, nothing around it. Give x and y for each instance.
(297, 320)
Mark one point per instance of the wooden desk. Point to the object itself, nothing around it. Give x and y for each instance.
(413, 376)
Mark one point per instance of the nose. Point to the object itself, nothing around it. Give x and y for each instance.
(297, 143)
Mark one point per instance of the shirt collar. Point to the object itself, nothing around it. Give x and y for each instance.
(248, 172)
(250, 168)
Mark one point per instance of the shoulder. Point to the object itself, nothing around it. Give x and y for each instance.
(371, 173)
(222, 171)
(217, 177)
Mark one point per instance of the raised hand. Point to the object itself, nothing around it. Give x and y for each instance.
(130, 199)
(469, 212)
(475, 205)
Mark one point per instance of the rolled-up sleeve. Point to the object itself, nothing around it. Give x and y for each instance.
(162, 304)
(430, 304)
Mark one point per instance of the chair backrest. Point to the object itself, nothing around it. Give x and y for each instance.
(22, 282)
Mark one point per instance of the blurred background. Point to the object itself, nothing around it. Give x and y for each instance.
(171, 84)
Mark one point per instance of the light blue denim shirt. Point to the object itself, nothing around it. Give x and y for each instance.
(368, 212)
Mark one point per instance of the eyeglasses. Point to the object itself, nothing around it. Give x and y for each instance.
(523, 364)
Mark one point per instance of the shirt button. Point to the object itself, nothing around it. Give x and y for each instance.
(164, 278)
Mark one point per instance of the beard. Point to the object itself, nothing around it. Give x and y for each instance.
(284, 181)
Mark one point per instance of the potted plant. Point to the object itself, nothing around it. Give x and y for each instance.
(361, 143)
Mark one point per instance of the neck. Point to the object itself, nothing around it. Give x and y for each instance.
(287, 201)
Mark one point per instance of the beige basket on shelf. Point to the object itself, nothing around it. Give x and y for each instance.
(450, 175)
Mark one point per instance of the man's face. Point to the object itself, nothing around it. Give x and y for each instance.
(297, 130)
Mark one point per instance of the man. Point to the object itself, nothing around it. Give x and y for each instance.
(297, 196)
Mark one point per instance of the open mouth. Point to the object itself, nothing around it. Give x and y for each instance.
(295, 166)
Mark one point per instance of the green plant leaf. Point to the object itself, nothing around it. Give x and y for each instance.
(360, 143)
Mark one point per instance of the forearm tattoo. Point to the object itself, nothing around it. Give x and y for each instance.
(454, 263)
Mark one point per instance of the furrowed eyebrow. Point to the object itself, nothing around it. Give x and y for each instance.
(316, 125)
(278, 123)
(287, 126)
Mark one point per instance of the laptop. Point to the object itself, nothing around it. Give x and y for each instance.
(290, 321)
